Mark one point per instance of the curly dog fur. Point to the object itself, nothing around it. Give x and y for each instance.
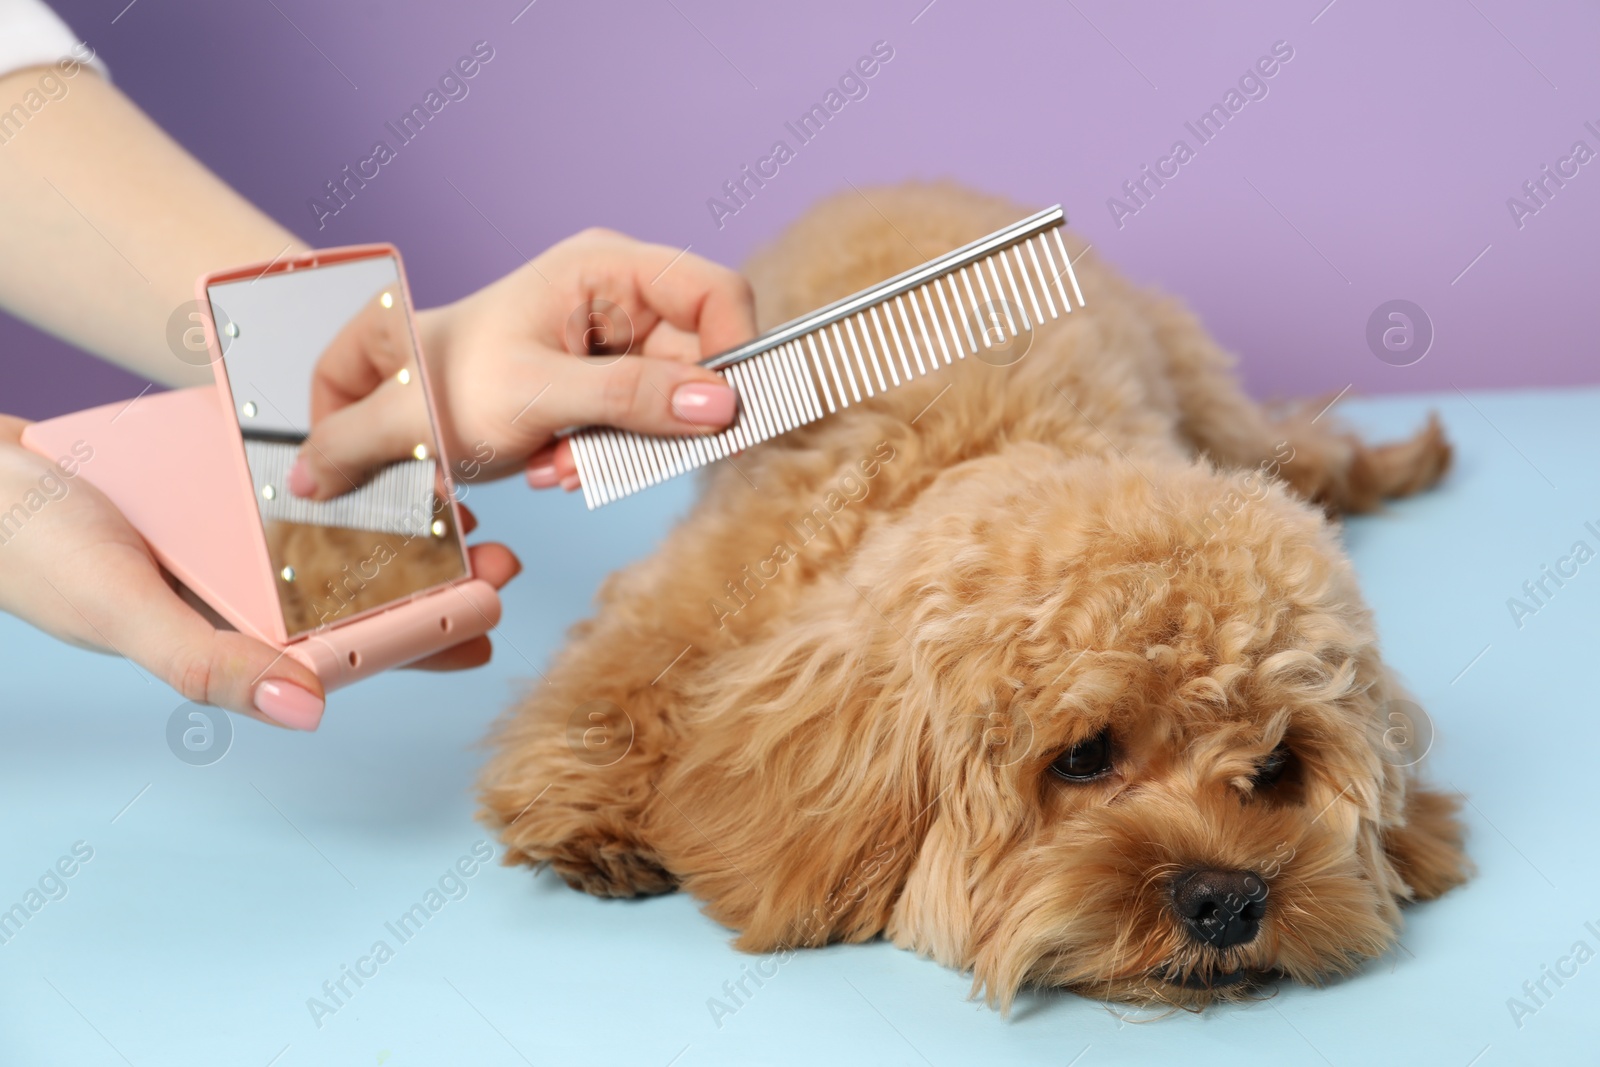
(834, 697)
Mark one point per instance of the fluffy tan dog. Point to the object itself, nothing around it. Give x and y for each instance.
(1048, 671)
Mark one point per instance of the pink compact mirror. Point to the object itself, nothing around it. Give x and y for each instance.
(364, 575)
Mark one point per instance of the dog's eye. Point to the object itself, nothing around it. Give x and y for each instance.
(1273, 767)
(1085, 760)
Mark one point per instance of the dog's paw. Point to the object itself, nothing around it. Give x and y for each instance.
(606, 868)
(581, 828)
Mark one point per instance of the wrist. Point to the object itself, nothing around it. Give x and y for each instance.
(434, 335)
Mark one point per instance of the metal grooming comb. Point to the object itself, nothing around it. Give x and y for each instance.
(398, 499)
(825, 361)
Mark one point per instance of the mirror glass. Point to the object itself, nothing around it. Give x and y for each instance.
(297, 345)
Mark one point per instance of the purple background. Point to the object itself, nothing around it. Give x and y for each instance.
(1377, 167)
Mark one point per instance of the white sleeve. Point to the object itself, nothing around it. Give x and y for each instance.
(31, 35)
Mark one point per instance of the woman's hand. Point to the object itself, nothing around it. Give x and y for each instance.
(76, 570)
(71, 565)
(601, 329)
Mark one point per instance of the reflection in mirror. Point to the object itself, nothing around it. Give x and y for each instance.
(291, 341)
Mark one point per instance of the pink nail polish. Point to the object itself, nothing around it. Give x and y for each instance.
(570, 482)
(704, 403)
(289, 704)
(300, 481)
(543, 476)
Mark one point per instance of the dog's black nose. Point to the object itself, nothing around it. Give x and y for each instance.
(1220, 908)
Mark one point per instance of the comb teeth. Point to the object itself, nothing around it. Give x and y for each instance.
(399, 499)
(963, 303)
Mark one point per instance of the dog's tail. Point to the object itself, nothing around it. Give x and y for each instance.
(1333, 467)
(1303, 445)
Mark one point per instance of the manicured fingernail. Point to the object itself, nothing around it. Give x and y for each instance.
(570, 482)
(300, 481)
(289, 704)
(704, 403)
(544, 476)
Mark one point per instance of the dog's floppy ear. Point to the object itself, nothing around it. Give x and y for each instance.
(1420, 833)
(796, 798)
(1426, 849)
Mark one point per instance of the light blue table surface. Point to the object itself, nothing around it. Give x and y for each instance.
(220, 898)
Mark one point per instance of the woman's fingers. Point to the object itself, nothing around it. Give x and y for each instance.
(83, 574)
(493, 563)
(497, 565)
(367, 408)
(666, 341)
(554, 466)
(348, 445)
(548, 466)
(695, 296)
(639, 402)
(675, 310)
(653, 396)
(209, 666)
(372, 346)
(465, 656)
(653, 283)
